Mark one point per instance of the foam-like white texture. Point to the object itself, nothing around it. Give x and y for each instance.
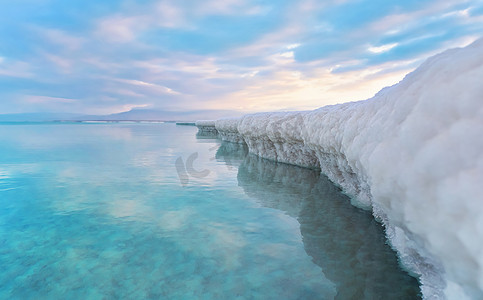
(207, 123)
(230, 130)
(206, 126)
(413, 154)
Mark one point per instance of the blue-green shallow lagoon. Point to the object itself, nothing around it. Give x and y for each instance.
(151, 211)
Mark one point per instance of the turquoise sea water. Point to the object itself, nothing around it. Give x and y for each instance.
(151, 211)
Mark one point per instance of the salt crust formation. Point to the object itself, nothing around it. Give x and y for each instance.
(206, 127)
(413, 154)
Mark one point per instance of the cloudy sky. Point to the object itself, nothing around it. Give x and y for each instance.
(100, 57)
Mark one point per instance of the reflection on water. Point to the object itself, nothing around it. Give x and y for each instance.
(207, 135)
(232, 154)
(97, 211)
(344, 241)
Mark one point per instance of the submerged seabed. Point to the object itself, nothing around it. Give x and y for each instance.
(99, 211)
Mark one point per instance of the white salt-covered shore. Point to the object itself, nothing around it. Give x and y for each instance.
(206, 126)
(413, 154)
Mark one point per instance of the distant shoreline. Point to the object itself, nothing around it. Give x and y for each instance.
(101, 121)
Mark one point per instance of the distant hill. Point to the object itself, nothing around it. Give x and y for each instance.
(132, 115)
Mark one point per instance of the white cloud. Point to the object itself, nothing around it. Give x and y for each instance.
(34, 99)
(464, 13)
(399, 21)
(17, 69)
(61, 38)
(122, 92)
(269, 43)
(128, 107)
(347, 64)
(168, 14)
(288, 54)
(255, 75)
(62, 63)
(119, 29)
(156, 87)
(299, 90)
(124, 27)
(250, 74)
(383, 48)
(226, 7)
(292, 46)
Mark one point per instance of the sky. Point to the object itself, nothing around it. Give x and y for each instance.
(103, 57)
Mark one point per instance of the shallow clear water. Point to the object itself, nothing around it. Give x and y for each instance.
(137, 211)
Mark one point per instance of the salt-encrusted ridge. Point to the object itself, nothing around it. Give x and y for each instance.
(206, 127)
(413, 154)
